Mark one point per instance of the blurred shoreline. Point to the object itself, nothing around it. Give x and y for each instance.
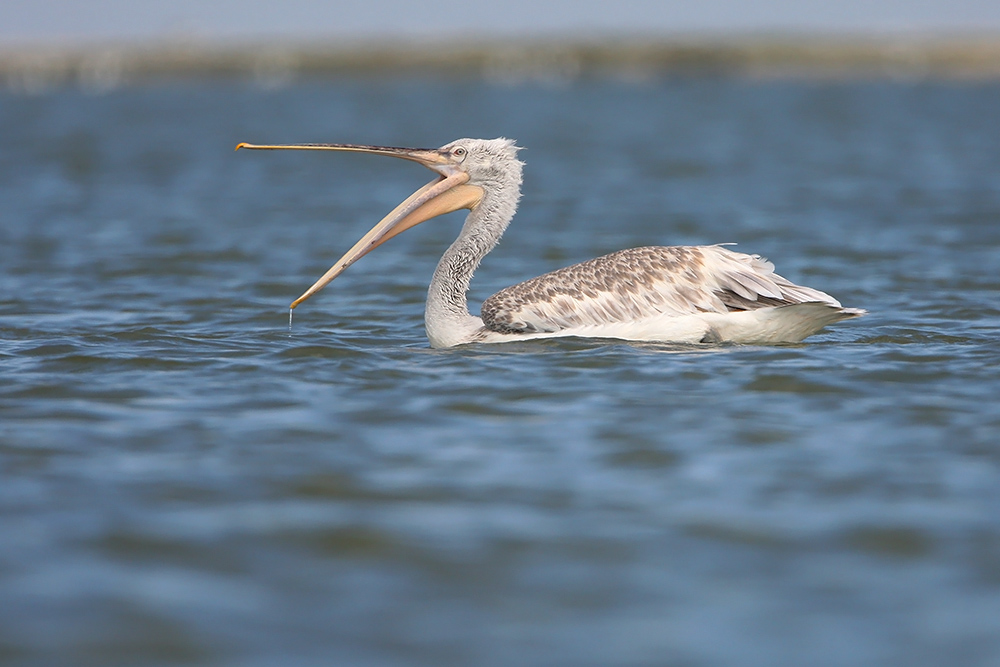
(32, 68)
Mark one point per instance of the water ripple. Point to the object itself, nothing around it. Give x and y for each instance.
(186, 479)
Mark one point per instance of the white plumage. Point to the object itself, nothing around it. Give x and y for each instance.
(689, 294)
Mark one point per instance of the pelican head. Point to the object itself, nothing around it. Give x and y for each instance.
(468, 171)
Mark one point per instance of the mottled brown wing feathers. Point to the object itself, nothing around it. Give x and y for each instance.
(640, 283)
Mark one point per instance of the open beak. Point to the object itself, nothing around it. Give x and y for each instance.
(445, 194)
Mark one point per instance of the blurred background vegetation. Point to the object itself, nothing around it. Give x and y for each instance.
(101, 45)
(36, 67)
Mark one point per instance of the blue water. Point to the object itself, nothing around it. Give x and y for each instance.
(183, 480)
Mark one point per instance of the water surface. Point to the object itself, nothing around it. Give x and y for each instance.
(183, 480)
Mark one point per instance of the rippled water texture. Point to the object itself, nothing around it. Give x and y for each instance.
(186, 481)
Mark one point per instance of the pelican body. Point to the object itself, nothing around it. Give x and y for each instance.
(679, 294)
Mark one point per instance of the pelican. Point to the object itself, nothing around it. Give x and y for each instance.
(679, 294)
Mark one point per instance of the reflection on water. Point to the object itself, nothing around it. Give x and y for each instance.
(185, 480)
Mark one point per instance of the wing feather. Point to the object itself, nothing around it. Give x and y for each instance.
(640, 283)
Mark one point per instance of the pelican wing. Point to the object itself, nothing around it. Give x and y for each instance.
(641, 283)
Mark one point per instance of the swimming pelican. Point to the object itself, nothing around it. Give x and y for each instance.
(682, 294)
